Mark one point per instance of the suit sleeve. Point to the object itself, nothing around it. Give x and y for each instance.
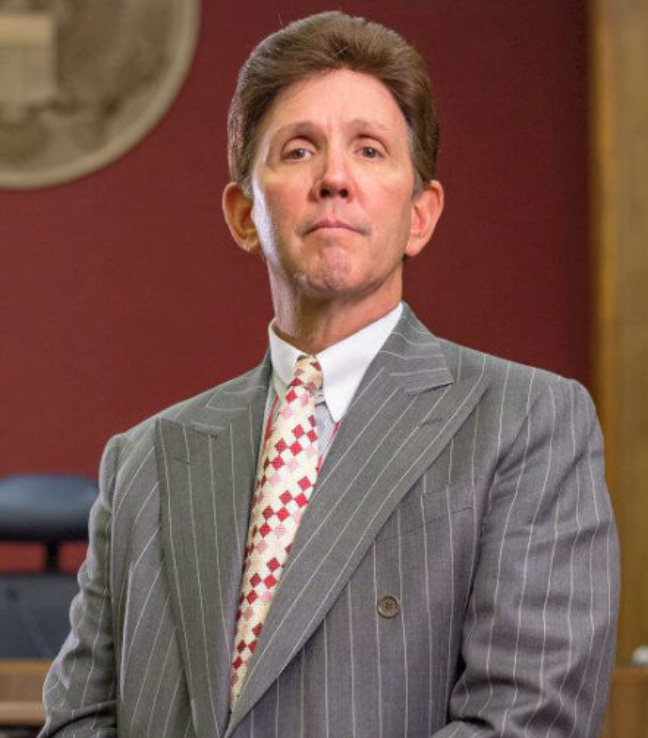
(539, 635)
(79, 692)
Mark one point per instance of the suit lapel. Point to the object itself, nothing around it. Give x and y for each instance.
(405, 412)
(207, 470)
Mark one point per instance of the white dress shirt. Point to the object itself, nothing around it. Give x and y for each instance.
(343, 366)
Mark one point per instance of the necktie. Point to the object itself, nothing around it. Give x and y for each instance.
(286, 477)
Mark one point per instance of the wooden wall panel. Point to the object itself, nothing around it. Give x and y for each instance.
(620, 217)
(627, 714)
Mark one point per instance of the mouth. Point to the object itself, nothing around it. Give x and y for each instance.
(332, 224)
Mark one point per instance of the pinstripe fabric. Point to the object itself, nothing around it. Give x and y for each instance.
(469, 488)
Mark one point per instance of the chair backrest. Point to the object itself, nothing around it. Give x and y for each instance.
(46, 508)
(34, 614)
(49, 509)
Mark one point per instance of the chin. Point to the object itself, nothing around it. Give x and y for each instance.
(330, 282)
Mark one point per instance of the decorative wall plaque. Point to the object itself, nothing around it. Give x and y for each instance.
(82, 81)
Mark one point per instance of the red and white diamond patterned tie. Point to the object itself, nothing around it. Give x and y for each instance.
(286, 477)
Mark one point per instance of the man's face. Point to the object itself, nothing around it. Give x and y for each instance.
(332, 209)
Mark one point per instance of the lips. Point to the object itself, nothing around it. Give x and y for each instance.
(332, 224)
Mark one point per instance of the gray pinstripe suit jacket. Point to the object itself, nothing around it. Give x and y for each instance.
(469, 488)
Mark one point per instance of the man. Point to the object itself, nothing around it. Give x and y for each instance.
(375, 532)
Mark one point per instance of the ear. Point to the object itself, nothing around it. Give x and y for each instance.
(427, 207)
(237, 209)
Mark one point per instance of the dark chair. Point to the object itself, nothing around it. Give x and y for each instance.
(49, 509)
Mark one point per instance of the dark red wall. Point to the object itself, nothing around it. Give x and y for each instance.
(121, 292)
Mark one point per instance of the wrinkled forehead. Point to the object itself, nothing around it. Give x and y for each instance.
(341, 96)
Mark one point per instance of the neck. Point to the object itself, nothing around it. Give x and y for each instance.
(313, 327)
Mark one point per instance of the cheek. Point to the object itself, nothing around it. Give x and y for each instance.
(392, 199)
(280, 207)
(402, 213)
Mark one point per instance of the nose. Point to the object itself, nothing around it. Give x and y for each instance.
(335, 178)
(332, 189)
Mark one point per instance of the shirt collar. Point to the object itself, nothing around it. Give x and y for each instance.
(343, 364)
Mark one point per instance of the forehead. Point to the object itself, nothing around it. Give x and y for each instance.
(337, 97)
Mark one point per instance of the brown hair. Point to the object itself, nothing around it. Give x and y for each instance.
(324, 42)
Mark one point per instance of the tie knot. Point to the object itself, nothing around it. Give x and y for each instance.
(308, 373)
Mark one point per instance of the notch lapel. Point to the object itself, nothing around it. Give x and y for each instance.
(207, 468)
(406, 410)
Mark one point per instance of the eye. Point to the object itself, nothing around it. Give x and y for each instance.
(370, 152)
(298, 153)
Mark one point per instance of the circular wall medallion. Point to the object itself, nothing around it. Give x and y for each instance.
(82, 81)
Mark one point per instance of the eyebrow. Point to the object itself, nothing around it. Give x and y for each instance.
(361, 123)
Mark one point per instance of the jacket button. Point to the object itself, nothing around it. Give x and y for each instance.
(388, 606)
